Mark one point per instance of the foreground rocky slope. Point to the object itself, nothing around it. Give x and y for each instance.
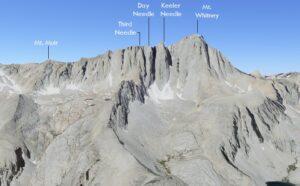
(178, 115)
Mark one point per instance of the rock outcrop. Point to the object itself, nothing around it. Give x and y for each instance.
(178, 115)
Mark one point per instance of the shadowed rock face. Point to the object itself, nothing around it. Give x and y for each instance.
(177, 115)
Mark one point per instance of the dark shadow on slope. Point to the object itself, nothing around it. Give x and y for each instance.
(278, 183)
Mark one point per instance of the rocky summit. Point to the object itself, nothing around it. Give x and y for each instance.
(148, 116)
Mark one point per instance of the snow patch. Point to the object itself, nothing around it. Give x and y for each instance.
(240, 90)
(228, 84)
(178, 85)
(250, 88)
(294, 109)
(109, 79)
(179, 90)
(236, 87)
(34, 162)
(180, 96)
(50, 90)
(72, 87)
(165, 94)
(8, 84)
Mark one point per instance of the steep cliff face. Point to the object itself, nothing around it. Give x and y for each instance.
(177, 115)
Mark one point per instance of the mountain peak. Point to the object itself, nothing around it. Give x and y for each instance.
(177, 115)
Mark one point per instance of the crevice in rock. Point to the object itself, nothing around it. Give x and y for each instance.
(66, 73)
(177, 66)
(226, 157)
(87, 175)
(122, 58)
(235, 131)
(236, 144)
(13, 169)
(84, 68)
(255, 126)
(20, 163)
(207, 55)
(279, 97)
(143, 73)
(168, 57)
(223, 151)
(263, 119)
(152, 69)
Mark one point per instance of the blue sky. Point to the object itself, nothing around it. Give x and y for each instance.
(253, 34)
